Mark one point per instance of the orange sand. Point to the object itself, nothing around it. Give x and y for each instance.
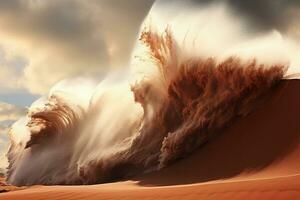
(256, 158)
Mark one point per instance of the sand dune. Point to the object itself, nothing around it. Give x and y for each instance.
(255, 158)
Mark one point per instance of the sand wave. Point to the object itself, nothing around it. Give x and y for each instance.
(128, 131)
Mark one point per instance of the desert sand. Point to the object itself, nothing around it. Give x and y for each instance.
(257, 157)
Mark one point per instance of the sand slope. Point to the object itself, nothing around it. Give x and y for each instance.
(255, 158)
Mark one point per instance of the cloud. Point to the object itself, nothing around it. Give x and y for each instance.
(262, 15)
(10, 71)
(68, 38)
(10, 112)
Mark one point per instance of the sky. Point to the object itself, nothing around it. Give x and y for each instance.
(45, 41)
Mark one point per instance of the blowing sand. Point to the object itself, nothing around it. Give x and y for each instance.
(257, 157)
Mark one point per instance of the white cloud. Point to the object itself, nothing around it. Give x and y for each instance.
(10, 70)
(10, 112)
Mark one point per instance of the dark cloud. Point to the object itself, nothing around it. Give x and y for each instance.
(65, 23)
(69, 38)
(122, 23)
(261, 15)
(266, 14)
